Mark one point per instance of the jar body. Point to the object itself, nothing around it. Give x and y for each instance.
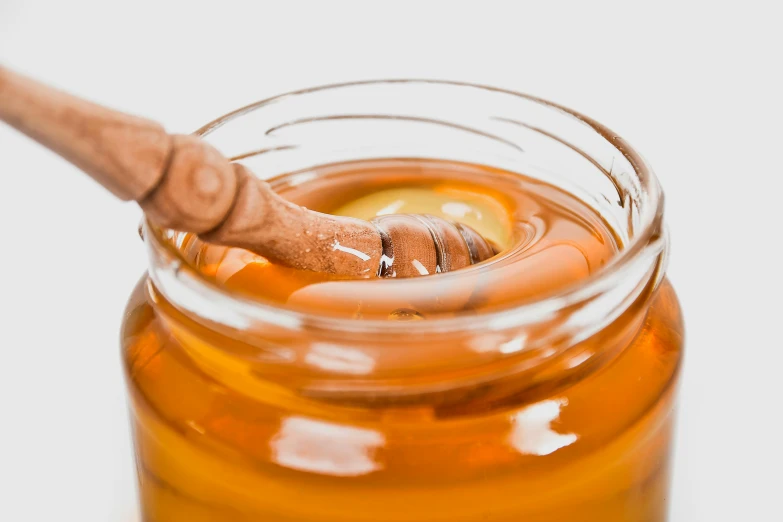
(594, 448)
(553, 409)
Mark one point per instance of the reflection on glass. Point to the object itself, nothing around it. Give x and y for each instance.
(326, 448)
(532, 433)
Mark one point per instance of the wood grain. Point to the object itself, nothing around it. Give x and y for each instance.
(197, 189)
(126, 154)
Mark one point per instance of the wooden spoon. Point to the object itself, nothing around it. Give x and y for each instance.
(183, 183)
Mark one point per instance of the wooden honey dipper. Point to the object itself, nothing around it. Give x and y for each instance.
(183, 183)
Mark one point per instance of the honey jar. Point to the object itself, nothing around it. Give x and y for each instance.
(538, 385)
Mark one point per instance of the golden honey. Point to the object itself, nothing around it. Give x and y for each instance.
(476, 395)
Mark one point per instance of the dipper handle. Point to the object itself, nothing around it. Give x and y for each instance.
(182, 182)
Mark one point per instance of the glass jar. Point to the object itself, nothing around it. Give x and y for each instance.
(556, 409)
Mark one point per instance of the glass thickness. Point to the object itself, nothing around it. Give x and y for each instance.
(547, 405)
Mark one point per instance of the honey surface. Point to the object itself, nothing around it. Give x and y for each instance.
(549, 241)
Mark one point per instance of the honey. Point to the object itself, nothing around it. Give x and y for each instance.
(548, 241)
(423, 399)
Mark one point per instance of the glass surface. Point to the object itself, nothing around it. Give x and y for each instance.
(551, 405)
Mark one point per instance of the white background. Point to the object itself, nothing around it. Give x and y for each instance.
(696, 86)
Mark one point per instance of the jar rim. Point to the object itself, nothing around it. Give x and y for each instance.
(648, 247)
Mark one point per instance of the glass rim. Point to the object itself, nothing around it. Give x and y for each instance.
(647, 242)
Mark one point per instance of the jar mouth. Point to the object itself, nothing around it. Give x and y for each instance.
(640, 261)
